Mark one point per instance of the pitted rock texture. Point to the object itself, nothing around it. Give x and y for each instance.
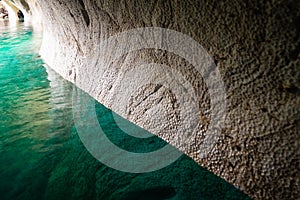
(255, 45)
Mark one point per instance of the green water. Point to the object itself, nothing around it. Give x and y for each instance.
(42, 156)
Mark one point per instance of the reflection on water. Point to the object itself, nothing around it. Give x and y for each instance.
(42, 156)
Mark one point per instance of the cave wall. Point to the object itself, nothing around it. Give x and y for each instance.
(255, 46)
(11, 9)
(29, 8)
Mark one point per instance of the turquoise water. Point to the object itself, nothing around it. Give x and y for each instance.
(42, 156)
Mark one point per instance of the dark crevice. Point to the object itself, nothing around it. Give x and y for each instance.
(25, 5)
(84, 13)
(20, 16)
(71, 14)
(85, 17)
(157, 87)
(81, 3)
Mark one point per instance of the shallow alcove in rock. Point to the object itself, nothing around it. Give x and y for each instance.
(20, 16)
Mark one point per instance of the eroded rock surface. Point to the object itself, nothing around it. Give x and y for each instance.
(255, 45)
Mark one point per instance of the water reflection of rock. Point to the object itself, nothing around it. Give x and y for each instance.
(60, 107)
